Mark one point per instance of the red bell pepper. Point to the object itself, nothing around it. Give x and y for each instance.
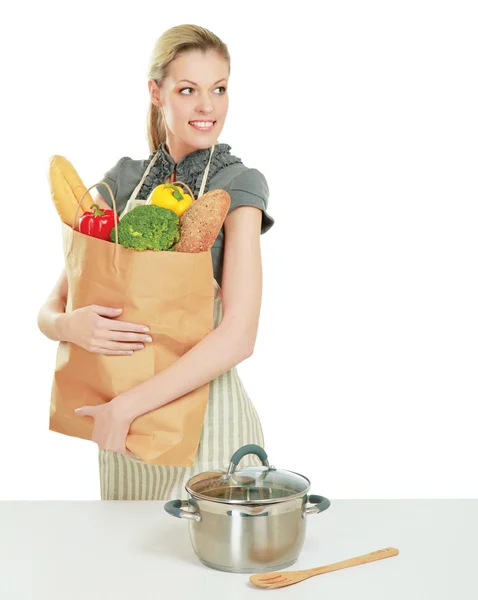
(97, 222)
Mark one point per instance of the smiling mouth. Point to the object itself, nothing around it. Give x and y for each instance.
(202, 125)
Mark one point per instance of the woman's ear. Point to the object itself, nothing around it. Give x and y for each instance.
(154, 92)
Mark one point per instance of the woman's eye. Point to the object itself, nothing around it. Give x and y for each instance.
(184, 89)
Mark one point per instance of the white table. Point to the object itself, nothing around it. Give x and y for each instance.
(136, 551)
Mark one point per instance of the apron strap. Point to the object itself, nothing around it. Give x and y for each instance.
(145, 174)
(206, 171)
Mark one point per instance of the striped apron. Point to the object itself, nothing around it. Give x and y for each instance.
(230, 421)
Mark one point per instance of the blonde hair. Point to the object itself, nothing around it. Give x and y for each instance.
(173, 42)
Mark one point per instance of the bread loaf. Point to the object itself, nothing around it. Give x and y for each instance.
(67, 189)
(201, 223)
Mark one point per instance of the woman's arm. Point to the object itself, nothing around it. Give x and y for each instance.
(50, 318)
(52, 312)
(234, 338)
(94, 328)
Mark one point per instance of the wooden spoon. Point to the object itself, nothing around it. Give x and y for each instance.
(282, 579)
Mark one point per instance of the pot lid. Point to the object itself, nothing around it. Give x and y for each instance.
(252, 485)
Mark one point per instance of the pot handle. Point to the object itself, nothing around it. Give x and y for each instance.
(174, 508)
(239, 455)
(320, 504)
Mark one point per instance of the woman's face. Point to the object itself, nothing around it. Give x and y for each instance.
(194, 100)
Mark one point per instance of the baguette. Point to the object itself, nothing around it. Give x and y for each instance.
(67, 189)
(201, 223)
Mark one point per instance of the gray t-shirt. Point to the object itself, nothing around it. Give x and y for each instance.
(246, 187)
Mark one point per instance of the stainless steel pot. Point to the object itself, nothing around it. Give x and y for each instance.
(249, 521)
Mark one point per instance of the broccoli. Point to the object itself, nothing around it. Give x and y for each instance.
(148, 227)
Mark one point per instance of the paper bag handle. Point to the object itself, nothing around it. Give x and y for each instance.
(115, 212)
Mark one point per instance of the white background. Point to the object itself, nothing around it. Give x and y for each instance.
(363, 118)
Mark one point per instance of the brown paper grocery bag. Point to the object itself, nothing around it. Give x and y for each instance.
(172, 293)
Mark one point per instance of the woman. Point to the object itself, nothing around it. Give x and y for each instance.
(188, 78)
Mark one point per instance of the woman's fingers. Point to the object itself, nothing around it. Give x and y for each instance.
(111, 337)
(106, 344)
(125, 336)
(106, 311)
(125, 326)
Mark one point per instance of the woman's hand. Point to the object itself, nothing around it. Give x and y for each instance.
(95, 329)
(110, 427)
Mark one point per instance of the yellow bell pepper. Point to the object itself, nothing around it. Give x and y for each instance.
(170, 196)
